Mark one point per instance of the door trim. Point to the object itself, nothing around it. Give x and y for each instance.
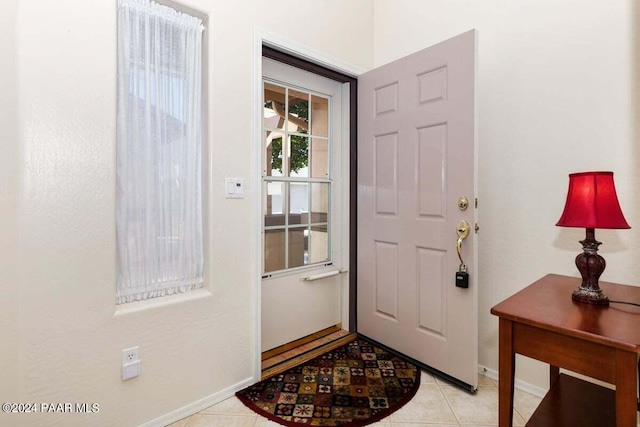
(275, 47)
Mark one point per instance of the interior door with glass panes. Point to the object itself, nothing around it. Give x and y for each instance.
(302, 198)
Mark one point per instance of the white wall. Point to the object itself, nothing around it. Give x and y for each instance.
(58, 161)
(9, 150)
(559, 84)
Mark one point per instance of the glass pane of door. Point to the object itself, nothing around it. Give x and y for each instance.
(319, 116)
(274, 204)
(318, 244)
(273, 153)
(298, 148)
(297, 247)
(274, 250)
(319, 203)
(319, 158)
(298, 203)
(298, 111)
(274, 107)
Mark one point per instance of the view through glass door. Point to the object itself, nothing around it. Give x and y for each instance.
(303, 191)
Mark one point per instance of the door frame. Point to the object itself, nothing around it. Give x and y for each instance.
(279, 48)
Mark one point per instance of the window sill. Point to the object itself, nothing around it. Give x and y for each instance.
(159, 302)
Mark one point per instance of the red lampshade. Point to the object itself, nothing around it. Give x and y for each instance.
(592, 202)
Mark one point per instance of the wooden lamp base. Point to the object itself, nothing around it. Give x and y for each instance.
(591, 265)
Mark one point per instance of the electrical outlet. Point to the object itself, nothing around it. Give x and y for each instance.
(130, 363)
(130, 355)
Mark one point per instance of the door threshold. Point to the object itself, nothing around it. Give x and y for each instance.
(300, 342)
(302, 353)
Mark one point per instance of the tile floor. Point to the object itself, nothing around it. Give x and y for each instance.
(436, 404)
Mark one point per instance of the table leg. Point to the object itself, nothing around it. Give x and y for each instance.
(554, 373)
(507, 361)
(626, 400)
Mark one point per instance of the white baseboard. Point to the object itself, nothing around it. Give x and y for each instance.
(198, 405)
(519, 384)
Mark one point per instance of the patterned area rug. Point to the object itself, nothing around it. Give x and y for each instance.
(353, 385)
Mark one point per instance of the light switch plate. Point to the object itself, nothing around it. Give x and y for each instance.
(234, 188)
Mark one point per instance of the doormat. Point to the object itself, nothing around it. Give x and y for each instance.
(353, 385)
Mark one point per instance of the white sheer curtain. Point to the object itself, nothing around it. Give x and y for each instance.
(159, 162)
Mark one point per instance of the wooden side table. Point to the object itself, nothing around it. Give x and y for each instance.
(602, 342)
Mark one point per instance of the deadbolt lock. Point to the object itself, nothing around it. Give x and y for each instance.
(463, 203)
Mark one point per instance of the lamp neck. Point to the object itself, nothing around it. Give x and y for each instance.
(590, 244)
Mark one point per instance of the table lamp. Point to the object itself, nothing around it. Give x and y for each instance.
(592, 203)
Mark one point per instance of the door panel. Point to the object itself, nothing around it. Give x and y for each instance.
(416, 137)
(386, 284)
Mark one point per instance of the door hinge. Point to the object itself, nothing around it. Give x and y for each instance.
(476, 203)
(476, 227)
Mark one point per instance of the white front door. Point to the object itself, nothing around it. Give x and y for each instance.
(416, 145)
(304, 230)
